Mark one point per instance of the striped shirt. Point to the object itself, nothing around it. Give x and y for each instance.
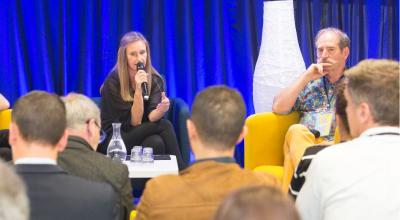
(299, 176)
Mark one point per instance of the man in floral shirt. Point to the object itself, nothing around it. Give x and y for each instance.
(312, 94)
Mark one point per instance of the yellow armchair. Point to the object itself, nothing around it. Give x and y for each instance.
(263, 144)
(5, 119)
(132, 215)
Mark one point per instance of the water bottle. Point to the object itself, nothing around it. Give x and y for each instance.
(116, 149)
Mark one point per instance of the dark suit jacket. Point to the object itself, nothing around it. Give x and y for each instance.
(79, 159)
(197, 192)
(53, 194)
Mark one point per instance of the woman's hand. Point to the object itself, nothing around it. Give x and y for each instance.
(163, 106)
(140, 77)
(160, 110)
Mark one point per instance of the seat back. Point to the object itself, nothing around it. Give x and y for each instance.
(5, 119)
(263, 144)
(177, 114)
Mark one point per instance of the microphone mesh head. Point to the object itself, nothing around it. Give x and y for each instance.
(140, 66)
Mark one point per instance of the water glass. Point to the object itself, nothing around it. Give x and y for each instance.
(147, 156)
(136, 154)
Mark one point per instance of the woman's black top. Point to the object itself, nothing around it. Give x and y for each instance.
(115, 110)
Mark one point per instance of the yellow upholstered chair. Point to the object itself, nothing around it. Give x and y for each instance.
(277, 171)
(133, 215)
(5, 119)
(263, 144)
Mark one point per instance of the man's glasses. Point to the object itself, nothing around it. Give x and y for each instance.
(103, 134)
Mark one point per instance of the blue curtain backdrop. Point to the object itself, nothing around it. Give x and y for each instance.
(71, 45)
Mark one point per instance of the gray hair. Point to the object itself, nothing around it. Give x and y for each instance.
(79, 110)
(14, 203)
(344, 40)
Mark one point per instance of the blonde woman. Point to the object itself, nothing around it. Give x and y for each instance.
(122, 101)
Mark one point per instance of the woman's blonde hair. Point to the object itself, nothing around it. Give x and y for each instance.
(122, 64)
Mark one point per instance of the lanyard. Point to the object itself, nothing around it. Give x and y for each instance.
(326, 90)
(326, 93)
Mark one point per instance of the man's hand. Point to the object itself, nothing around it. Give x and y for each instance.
(317, 70)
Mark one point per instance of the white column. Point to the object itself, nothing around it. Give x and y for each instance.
(280, 60)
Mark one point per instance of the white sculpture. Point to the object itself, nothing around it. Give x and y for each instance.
(280, 61)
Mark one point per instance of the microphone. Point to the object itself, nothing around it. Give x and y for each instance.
(145, 90)
(315, 133)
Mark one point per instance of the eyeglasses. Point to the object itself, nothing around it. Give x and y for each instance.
(102, 134)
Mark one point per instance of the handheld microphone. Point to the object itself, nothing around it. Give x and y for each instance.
(145, 90)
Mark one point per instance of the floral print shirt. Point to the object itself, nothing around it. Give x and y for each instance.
(317, 96)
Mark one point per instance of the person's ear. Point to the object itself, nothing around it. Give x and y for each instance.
(62, 143)
(242, 134)
(13, 134)
(192, 133)
(90, 128)
(346, 52)
(364, 114)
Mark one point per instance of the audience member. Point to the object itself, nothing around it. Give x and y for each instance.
(37, 134)
(300, 175)
(312, 94)
(80, 157)
(14, 203)
(257, 203)
(122, 101)
(358, 179)
(217, 124)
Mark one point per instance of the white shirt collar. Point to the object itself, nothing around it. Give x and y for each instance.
(35, 160)
(380, 130)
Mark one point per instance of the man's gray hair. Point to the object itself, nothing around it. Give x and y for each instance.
(79, 110)
(14, 203)
(344, 40)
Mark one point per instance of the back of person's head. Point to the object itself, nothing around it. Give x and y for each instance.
(14, 203)
(80, 109)
(340, 106)
(40, 117)
(257, 203)
(376, 82)
(218, 114)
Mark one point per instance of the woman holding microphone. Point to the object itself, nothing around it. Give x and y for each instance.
(139, 110)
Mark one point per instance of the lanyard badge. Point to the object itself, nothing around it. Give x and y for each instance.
(323, 122)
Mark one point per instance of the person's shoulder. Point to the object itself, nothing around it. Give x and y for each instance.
(88, 187)
(315, 149)
(331, 157)
(112, 77)
(157, 77)
(113, 169)
(164, 181)
(113, 166)
(161, 187)
(264, 178)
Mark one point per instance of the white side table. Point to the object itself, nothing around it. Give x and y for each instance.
(150, 170)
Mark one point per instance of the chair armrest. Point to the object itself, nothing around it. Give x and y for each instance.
(5, 119)
(263, 144)
(177, 114)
